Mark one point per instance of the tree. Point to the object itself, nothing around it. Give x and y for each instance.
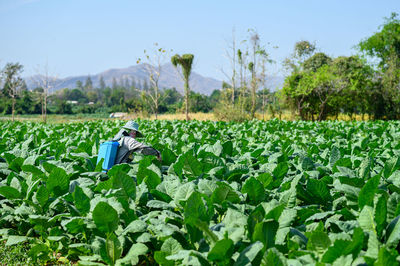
(63, 107)
(242, 61)
(79, 84)
(46, 82)
(26, 103)
(102, 85)
(231, 55)
(385, 47)
(88, 84)
(114, 84)
(264, 60)
(154, 60)
(255, 43)
(326, 86)
(77, 95)
(302, 51)
(12, 82)
(92, 96)
(200, 103)
(256, 67)
(385, 44)
(297, 95)
(316, 61)
(185, 62)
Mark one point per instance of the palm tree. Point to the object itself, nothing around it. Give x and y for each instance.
(186, 62)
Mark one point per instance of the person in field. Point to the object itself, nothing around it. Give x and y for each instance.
(128, 144)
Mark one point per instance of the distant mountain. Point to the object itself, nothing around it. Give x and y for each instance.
(169, 78)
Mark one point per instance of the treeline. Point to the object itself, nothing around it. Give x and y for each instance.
(126, 97)
(84, 98)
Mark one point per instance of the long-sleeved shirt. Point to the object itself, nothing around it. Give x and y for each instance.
(127, 145)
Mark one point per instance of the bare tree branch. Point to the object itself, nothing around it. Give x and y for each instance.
(47, 82)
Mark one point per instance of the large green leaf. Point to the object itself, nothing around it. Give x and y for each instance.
(318, 191)
(254, 189)
(169, 247)
(9, 192)
(381, 214)
(150, 175)
(125, 185)
(12, 240)
(335, 156)
(221, 251)
(386, 257)
(136, 226)
(391, 166)
(366, 220)
(228, 148)
(168, 156)
(31, 169)
(265, 232)
(224, 192)
(58, 181)
(280, 170)
(356, 244)
(273, 257)
(338, 249)
(81, 200)
(195, 210)
(366, 196)
(393, 232)
(191, 165)
(249, 254)
(113, 248)
(255, 217)
(16, 164)
(318, 241)
(42, 195)
(105, 217)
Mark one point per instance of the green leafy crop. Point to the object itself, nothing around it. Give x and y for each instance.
(253, 193)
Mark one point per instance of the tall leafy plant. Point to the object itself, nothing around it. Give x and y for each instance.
(185, 62)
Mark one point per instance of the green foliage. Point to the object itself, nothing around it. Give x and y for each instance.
(385, 46)
(304, 49)
(327, 87)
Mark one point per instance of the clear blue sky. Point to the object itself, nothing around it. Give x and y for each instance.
(90, 36)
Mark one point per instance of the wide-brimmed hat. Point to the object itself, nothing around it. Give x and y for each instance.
(132, 125)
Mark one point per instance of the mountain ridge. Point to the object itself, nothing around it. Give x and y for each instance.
(169, 78)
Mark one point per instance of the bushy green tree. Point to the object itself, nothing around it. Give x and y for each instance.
(322, 86)
(384, 47)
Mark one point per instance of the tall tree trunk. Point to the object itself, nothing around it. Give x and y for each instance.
(300, 108)
(187, 98)
(156, 103)
(42, 104)
(253, 98)
(322, 110)
(45, 109)
(13, 108)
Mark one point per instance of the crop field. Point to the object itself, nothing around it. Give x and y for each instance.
(253, 193)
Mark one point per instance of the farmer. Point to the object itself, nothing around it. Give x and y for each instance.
(128, 144)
